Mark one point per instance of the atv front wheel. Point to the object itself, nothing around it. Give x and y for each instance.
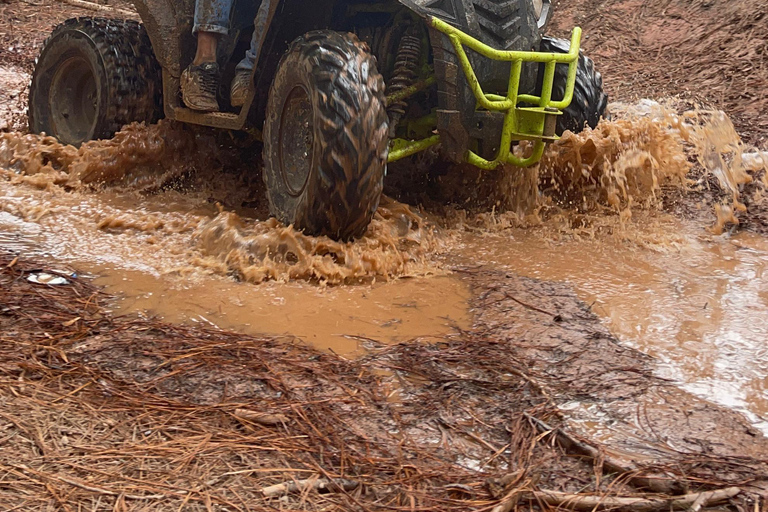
(92, 77)
(589, 100)
(325, 136)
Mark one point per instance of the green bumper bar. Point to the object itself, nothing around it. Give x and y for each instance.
(535, 123)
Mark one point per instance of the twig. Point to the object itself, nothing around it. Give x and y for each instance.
(611, 465)
(529, 306)
(321, 485)
(591, 502)
(261, 417)
(700, 501)
(107, 491)
(510, 500)
(97, 7)
(217, 479)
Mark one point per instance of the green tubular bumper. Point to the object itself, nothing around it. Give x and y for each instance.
(536, 124)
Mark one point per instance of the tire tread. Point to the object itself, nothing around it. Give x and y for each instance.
(350, 133)
(589, 100)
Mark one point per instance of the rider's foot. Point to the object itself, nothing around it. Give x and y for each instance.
(199, 85)
(239, 89)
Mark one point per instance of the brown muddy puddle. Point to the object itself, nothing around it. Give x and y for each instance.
(696, 301)
(346, 320)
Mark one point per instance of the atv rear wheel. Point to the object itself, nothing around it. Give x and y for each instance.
(589, 100)
(92, 77)
(325, 136)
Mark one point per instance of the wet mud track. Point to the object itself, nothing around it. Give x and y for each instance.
(126, 412)
(526, 392)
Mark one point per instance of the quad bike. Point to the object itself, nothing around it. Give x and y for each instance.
(340, 89)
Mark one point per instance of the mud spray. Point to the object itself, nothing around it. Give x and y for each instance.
(173, 220)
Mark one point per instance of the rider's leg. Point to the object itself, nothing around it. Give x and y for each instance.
(200, 81)
(207, 46)
(239, 89)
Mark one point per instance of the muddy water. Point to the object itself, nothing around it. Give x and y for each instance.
(343, 319)
(173, 253)
(150, 214)
(149, 254)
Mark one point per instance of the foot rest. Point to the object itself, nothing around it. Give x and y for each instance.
(225, 120)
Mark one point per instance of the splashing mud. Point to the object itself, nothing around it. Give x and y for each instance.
(394, 245)
(587, 184)
(164, 180)
(618, 165)
(721, 153)
(190, 192)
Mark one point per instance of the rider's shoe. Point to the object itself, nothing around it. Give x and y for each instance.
(199, 85)
(239, 89)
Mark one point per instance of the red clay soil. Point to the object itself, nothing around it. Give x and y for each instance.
(711, 52)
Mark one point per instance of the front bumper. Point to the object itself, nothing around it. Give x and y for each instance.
(521, 116)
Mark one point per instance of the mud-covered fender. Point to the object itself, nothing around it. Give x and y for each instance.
(161, 19)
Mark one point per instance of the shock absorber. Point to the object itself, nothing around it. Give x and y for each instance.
(406, 62)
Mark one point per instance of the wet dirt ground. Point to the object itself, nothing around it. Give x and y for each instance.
(156, 416)
(627, 300)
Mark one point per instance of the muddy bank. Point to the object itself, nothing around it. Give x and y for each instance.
(690, 301)
(709, 52)
(590, 374)
(107, 412)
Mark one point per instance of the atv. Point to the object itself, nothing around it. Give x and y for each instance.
(341, 88)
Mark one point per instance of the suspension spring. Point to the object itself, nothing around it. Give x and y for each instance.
(406, 62)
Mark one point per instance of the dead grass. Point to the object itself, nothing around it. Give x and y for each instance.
(25, 24)
(124, 414)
